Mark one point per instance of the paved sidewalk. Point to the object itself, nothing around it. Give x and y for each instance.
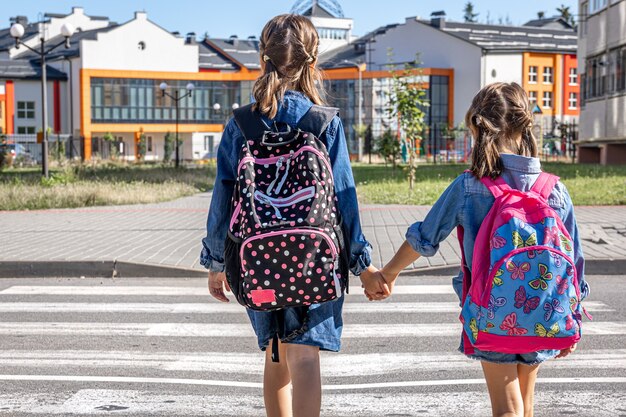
(169, 234)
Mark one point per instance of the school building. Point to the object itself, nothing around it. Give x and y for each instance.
(108, 80)
(602, 63)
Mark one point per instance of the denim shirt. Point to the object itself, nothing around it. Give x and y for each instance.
(466, 203)
(294, 106)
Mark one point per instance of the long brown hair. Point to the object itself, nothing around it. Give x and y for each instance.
(499, 114)
(289, 47)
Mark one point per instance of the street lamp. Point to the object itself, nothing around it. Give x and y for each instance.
(17, 31)
(359, 68)
(177, 98)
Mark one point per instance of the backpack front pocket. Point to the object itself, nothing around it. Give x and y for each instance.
(289, 268)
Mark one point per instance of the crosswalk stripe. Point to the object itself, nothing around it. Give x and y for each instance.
(355, 330)
(182, 291)
(339, 366)
(215, 308)
(334, 404)
(343, 387)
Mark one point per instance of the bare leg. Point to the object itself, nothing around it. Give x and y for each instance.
(277, 384)
(304, 367)
(504, 389)
(527, 378)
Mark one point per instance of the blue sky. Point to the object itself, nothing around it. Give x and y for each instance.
(222, 18)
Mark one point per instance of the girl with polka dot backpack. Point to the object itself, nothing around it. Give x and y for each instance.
(283, 230)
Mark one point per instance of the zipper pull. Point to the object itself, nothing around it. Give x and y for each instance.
(282, 181)
(279, 164)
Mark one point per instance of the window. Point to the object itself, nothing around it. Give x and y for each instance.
(532, 74)
(597, 5)
(149, 143)
(26, 130)
(573, 101)
(547, 75)
(25, 109)
(547, 99)
(573, 76)
(532, 98)
(620, 71)
(584, 12)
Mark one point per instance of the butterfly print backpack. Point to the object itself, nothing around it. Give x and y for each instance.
(524, 294)
(285, 246)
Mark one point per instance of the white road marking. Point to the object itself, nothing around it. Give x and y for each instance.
(344, 387)
(334, 404)
(355, 330)
(183, 291)
(344, 365)
(215, 308)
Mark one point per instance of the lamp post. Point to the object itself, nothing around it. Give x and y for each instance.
(17, 31)
(177, 97)
(360, 68)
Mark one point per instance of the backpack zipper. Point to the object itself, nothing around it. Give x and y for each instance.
(301, 195)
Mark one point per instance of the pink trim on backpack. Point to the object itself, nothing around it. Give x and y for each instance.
(506, 344)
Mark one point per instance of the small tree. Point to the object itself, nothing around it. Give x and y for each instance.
(168, 148)
(565, 13)
(407, 102)
(468, 13)
(113, 148)
(541, 15)
(141, 147)
(388, 147)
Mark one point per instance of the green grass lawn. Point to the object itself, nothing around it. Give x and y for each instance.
(100, 185)
(115, 184)
(587, 184)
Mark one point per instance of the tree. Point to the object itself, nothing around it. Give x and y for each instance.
(468, 13)
(141, 147)
(541, 15)
(113, 145)
(407, 102)
(168, 148)
(388, 147)
(566, 14)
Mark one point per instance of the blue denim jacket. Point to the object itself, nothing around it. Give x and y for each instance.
(294, 106)
(466, 203)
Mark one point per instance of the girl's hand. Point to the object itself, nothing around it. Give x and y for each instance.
(567, 351)
(217, 283)
(389, 277)
(375, 286)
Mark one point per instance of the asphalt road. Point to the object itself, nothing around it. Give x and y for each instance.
(161, 347)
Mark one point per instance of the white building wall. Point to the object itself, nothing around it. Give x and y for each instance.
(31, 91)
(503, 68)
(163, 51)
(333, 23)
(436, 50)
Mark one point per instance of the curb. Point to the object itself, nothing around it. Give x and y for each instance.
(121, 269)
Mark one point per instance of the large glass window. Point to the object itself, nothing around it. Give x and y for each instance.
(141, 101)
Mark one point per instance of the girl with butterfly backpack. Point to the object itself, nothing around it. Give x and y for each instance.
(269, 203)
(522, 276)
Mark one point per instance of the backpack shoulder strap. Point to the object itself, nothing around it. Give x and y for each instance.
(497, 186)
(317, 119)
(544, 184)
(250, 122)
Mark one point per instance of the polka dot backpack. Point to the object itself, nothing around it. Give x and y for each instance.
(285, 246)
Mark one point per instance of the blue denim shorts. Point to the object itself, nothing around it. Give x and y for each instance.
(532, 358)
(320, 326)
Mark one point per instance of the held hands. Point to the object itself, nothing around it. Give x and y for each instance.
(374, 284)
(564, 352)
(217, 284)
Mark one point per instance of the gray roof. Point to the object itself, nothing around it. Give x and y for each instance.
(211, 58)
(7, 42)
(554, 22)
(27, 70)
(499, 38)
(62, 15)
(354, 51)
(244, 52)
(61, 51)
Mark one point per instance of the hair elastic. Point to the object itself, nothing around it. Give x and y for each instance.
(266, 58)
